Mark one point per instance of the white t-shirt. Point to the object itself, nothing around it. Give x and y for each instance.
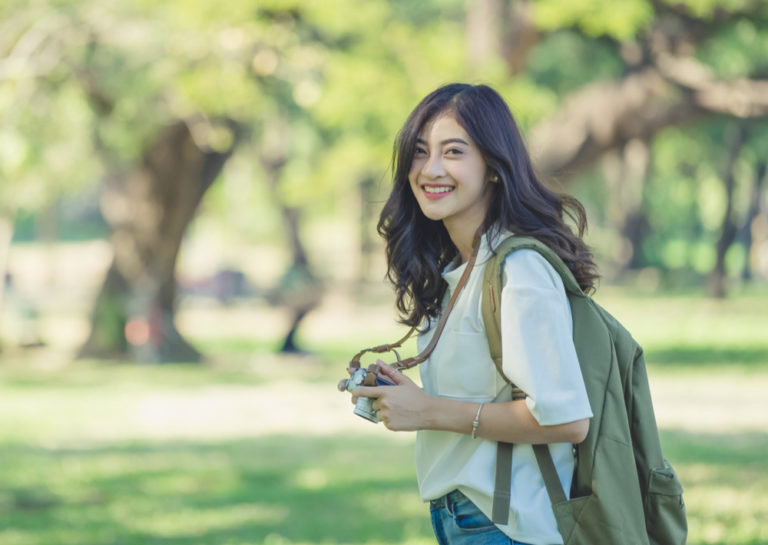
(538, 355)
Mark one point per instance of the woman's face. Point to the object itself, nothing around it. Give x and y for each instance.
(449, 177)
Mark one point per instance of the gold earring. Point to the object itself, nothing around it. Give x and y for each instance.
(494, 179)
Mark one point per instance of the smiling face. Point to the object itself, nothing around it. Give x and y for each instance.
(449, 177)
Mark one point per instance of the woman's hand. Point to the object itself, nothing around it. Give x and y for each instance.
(402, 407)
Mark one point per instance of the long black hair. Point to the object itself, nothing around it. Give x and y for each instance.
(418, 249)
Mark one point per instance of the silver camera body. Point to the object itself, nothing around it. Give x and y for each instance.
(364, 405)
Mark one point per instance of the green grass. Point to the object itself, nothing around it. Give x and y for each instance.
(275, 489)
(252, 448)
(96, 454)
(725, 479)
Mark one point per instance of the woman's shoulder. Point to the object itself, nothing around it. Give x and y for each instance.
(527, 267)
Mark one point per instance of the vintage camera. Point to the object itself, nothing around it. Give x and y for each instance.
(364, 405)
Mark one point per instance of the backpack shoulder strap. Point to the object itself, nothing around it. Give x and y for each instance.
(491, 313)
(492, 286)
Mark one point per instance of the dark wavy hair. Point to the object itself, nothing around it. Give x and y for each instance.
(418, 249)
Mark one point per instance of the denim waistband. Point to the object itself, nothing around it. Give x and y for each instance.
(444, 501)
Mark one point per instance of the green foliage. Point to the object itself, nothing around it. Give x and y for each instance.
(559, 62)
(321, 88)
(710, 8)
(42, 153)
(620, 20)
(736, 51)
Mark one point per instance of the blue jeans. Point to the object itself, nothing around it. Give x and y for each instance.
(457, 521)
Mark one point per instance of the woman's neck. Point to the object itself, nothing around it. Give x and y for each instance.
(464, 240)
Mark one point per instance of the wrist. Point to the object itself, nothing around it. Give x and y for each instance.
(450, 415)
(432, 414)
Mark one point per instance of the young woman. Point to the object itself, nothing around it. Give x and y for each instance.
(461, 169)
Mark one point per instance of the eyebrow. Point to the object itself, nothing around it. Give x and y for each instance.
(446, 141)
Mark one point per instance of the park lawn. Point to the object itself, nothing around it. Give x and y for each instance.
(252, 448)
(189, 455)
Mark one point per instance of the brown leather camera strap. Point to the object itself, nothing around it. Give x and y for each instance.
(401, 365)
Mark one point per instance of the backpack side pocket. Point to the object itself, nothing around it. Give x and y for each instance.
(665, 511)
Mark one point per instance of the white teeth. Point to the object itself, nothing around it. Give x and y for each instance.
(429, 189)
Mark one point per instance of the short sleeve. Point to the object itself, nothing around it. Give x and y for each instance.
(538, 354)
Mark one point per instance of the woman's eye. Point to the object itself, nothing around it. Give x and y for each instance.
(420, 151)
(453, 151)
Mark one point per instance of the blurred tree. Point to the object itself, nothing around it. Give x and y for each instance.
(148, 210)
(158, 147)
(155, 98)
(672, 72)
(148, 202)
(663, 83)
(158, 81)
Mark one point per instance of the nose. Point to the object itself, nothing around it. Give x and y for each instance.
(433, 166)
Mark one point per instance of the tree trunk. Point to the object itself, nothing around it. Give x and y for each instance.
(149, 210)
(718, 278)
(753, 213)
(368, 213)
(499, 28)
(6, 235)
(298, 289)
(625, 172)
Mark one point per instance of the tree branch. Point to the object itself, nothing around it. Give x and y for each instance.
(739, 97)
(606, 116)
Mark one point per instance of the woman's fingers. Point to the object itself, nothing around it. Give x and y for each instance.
(392, 373)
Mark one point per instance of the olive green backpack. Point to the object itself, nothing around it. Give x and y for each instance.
(624, 492)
